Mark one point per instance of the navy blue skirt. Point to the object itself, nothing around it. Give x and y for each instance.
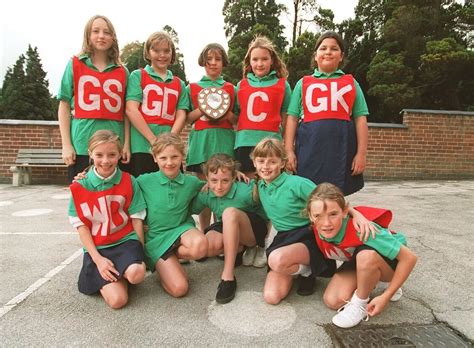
(325, 150)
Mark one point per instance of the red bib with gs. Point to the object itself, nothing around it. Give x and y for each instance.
(98, 94)
(159, 100)
(344, 250)
(328, 98)
(105, 213)
(260, 106)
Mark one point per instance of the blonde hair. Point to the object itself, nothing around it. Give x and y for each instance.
(113, 52)
(167, 139)
(103, 136)
(277, 64)
(158, 37)
(326, 191)
(213, 47)
(221, 161)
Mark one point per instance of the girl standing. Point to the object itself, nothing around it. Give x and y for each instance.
(171, 230)
(328, 115)
(91, 95)
(385, 258)
(107, 208)
(157, 101)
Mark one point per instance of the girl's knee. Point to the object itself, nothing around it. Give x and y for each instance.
(177, 288)
(271, 297)
(332, 301)
(135, 273)
(368, 259)
(230, 213)
(116, 300)
(200, 248)
(276, 261)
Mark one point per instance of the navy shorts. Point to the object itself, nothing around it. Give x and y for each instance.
(352, 264)
(81, 164)
(172, 249)
(142, 163)
(242, 154)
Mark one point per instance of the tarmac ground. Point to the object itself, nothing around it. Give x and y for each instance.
(41, 257)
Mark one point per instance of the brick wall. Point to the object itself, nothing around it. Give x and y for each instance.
(428, 145)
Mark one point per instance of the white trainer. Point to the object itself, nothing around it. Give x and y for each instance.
(249, 256)
(260, 259)
(350, 315)
(396, 296)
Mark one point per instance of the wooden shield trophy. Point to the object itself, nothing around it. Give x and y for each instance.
(213, 102)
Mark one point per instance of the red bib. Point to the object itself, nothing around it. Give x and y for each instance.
(98, 94)
(105, 213)
(203, 122)
(344, 250)
(260, 106)
(159, 100)
(328, 98)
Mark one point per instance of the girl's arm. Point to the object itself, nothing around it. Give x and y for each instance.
(406, 261)
(289, 140)
(64, 117)
(138, 121)
(283, 116)
(138, 228)
(194, 115)
(126, 155)
(362, 132)
(104, 265)
(362, 225)
(179, 122)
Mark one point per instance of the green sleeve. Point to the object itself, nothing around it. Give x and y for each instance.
(360, 106)
(237, 104)
(134, 87)
(198, 203)
(71, 208)
(286, 98)
(296, 103)
(138, 202)
(305, 187)
(184, 100)
(66, 90)
(386, 243)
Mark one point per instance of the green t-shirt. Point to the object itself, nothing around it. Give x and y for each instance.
(94, 183)
(252, 137)
(386, 243)
(284, 200)
(83, 128)
(138, 142)
(296, 105)
(239, 196)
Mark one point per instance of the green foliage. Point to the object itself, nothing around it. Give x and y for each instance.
(298, 59)
(177, 68)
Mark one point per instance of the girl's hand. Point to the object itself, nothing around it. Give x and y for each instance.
(358, 164)
(107, 269)
(69, 155)
(80, 176)
(242, 177)
(291, 163)
(377, 305)
(205, 188)
(365, 227)
(126, 154)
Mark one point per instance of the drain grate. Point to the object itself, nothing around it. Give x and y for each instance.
(433, 335)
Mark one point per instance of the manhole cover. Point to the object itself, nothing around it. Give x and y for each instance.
(434, 335)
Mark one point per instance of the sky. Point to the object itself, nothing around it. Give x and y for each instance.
(56, 27)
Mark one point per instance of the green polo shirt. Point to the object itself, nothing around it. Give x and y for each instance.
(83, 128)
(296, 105)
(239, 196)
(168, 210)
(94, 183)
(284, 200)
(207, 142)
(386, 243)
(135, 92)
(252, 137)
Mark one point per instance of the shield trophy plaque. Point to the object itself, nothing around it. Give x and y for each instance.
(213, 102)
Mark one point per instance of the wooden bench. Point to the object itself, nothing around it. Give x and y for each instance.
(29, 158)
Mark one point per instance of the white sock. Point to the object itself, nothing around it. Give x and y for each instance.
(304, 270)
(356, 299)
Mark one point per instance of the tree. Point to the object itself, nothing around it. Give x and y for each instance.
(302, 12)
(298, 59)
(132, 55)
(243, 21)
(177, 68)
(15, 104)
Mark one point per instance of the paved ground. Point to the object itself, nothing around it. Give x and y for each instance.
(40, 261)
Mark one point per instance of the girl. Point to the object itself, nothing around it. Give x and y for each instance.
(157, 101)
(241, 221)
(293, 250)
(331, 139)
(209, 137)
(385, 258)
(92, 94)
(263, 96)
(107, 208)
(171, 230)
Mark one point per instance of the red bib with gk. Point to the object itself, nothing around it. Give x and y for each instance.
(98, 94)
(203, 121)
(105, 213)
(260, 106)
(328, 98)
(159, 100)
(344, 250)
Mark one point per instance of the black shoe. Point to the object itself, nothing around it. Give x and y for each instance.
(238, 259)
(226, 291)
(306, 285)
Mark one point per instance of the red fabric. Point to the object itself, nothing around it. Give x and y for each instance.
(260, 106)
(105, 213)
(328, 98)
(159, 100)
(97, 94)
(203, 122)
